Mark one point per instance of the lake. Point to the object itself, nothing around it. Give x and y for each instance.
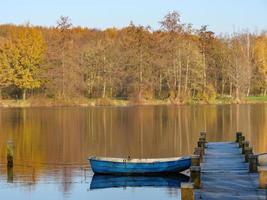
(51, 145)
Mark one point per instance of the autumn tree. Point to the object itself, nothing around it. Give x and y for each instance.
(261, 58)
(101, 60)
(64, 71)
(6, 71)
(136, 51)
(176, 62)
(24, 55)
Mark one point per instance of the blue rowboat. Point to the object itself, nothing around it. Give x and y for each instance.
(102, 165)
(117, 181)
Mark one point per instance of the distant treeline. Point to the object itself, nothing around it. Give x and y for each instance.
(175, 62)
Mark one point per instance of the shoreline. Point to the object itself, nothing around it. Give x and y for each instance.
(122, 103)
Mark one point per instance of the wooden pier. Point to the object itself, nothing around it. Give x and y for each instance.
(226, 171)
(225, 175)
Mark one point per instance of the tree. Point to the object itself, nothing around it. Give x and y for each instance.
(136, 52)
(171, 24)
(261, 58)
(24, 54)
(64, 70)
(6, 71)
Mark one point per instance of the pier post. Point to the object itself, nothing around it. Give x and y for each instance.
(253, 163)
(195, 160)
(187, 191)
(203, 137)
(201, 144)
(238, 134)
(199, 151)
(203, 134)
(9, 154)
(241, 139)
(244, 145)
(195, 176)
(262, 176)
(248, 151)
(10, 174)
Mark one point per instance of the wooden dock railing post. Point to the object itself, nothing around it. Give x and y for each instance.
(195, 176)
(248, 152)
(262, 176)
(201, 144)
(253, 163)
(195, 160)
(244, 145)
(203, 134)
(238, 134)
(187, 191)
(199, 151)
(9, 154)
(241, 139)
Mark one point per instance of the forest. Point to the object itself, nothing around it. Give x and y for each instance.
(175, 63)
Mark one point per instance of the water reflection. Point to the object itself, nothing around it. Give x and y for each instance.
(52, 144)
(112, 181)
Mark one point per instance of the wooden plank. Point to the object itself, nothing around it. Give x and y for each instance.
(225, 175)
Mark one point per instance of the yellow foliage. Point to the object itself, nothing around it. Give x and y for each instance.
(261, 55)
(6, 71)
(25, 51)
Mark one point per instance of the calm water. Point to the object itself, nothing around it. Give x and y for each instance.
(52, 145)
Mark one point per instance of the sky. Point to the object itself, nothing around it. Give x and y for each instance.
(221, 16)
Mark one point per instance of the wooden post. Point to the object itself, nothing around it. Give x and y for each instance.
(195, 176)
(238, 134)
(187, 191)
(10, 174)
(201, 144)
(244, 145)
(9, 154)
(199, 151)
(248, 151)
(202, 139)
(241, 139)
(253, 163)
(203, 134)
(262, 176)
(195, 160)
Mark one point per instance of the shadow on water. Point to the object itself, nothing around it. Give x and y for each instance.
(117, 181)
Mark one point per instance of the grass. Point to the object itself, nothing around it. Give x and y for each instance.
(49, 102)
(259, 99)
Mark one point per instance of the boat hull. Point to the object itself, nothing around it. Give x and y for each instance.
(130, 168)
(117, 181)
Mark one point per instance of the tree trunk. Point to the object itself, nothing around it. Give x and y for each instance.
(222, 92)
(186, 75)
(104, 75)
(24, 91)
(0, 93)
(140, 77)
(248, 91)
(204, 72)
(63, 76)
(231, 89)
(104, 89)
(180, 75)
(237, 93)
(160, 84)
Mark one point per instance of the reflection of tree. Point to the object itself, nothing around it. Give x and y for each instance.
(63, 138)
